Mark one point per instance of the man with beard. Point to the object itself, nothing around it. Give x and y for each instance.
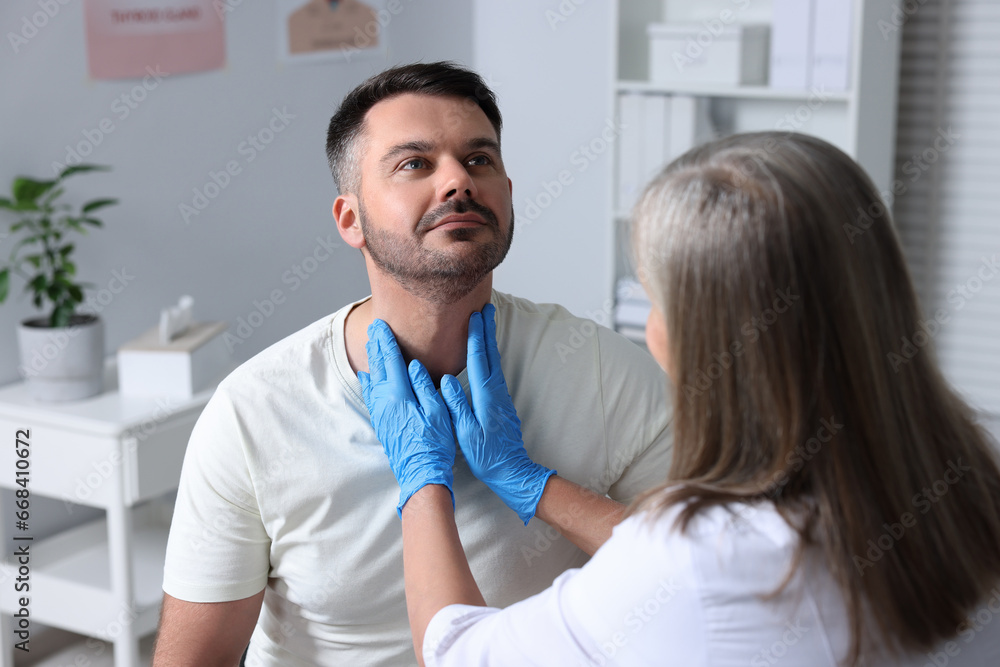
(286, 522)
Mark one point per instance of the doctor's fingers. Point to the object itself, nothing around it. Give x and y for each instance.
(376, 363)
(390, 358)
(490, 335)
(477, 361)
(468, 430)
(426, 393)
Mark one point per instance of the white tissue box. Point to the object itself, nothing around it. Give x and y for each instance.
(711, 53)
(178, 369)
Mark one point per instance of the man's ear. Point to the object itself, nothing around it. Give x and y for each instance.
(345, 214)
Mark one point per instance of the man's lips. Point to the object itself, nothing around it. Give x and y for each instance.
(457, 220)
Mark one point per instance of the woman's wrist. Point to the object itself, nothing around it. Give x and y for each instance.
(430, 499)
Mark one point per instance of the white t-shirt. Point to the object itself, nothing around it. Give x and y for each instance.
(652, 596)
(286, 488)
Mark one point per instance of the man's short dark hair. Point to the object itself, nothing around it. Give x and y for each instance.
(441, 79)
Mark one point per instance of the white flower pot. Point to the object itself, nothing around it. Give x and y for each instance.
(64, 363)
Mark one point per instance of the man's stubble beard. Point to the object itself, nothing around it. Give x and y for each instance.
(435, 275)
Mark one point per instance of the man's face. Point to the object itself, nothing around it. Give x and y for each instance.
(435, 201)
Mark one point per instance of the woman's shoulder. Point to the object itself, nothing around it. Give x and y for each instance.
(706, 587)
(736, 549)
(737, 520)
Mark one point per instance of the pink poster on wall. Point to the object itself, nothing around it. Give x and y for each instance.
(127, 38)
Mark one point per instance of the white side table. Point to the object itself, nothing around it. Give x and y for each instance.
(103, 578)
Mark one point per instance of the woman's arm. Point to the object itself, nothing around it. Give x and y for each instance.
(434, 564)
(436, 570)
(580, 515)
(415, 430)
(412, 422)
(489, 433)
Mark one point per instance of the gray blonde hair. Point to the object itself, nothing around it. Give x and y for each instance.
(782, 317)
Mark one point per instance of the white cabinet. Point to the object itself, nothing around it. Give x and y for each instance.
(121, 454)
(861, 120)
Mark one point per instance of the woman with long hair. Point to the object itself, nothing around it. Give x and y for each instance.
(831, 499)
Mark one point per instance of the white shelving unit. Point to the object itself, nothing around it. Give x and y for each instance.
(122, 454)
(860, 120)
(729, 92)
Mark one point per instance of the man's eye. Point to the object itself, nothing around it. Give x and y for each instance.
(415, 163)
(480, 160)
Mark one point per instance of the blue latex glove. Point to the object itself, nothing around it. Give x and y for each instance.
(412, 424)
(490, 433)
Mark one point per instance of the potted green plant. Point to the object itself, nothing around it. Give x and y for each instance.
(62, 353)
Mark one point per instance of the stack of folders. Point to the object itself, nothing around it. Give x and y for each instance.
(632, 308)
(811, 44)
(655, 128)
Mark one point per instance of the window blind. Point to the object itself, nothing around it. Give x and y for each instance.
(948, 161)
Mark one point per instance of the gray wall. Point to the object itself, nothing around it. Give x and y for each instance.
(551, 63)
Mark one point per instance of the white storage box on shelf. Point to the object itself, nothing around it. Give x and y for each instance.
(735, 54)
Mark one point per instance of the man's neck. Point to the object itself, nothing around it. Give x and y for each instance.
(434, 333)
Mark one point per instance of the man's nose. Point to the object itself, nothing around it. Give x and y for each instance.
(456, 182)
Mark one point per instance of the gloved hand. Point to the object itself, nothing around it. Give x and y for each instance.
(413, 425)
(490, 433)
